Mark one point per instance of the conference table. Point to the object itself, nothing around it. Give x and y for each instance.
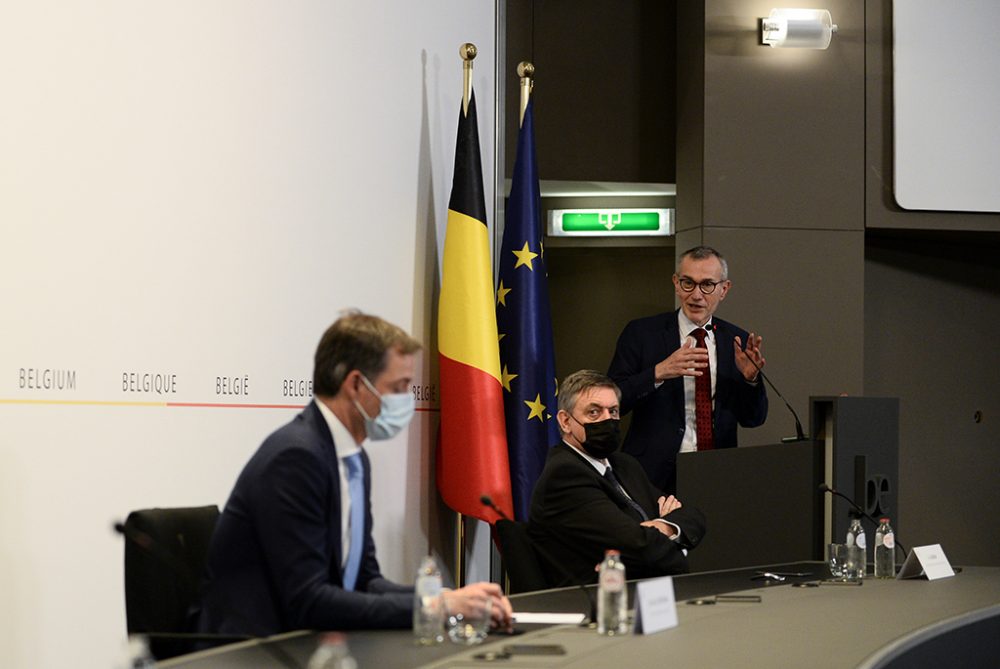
(881, 623)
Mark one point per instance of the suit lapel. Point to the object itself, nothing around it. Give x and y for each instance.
(670, 340)
(671, 335)
(334, 546)
(591, 472)
(725, 360)
(633, 487)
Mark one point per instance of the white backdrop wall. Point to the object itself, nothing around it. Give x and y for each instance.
(189, 193)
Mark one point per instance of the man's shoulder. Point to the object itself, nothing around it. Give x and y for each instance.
(561, 463)
(300, 435)
(654, 323)
(560, 455)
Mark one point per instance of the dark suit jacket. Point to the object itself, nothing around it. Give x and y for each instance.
(576, 515)
(657, 427)
(274, 563)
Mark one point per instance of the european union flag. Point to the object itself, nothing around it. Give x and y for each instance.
(524, 324)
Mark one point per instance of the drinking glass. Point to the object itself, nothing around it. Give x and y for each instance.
(837, 556)
(471, 626)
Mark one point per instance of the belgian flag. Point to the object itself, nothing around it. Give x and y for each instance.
(472, 457)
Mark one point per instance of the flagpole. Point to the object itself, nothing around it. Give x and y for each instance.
(468, 53)
(526, 71)
(460, 552)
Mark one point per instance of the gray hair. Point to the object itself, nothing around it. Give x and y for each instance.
(704, 253)
(577, 382)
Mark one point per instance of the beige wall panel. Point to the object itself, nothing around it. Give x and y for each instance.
(801, 291)
(783, 128)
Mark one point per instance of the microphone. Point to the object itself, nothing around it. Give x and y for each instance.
(823, 487)
(488, 501)
(800, 435)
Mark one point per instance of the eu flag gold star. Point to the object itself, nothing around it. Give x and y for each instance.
(506, 377)
(502, 294)
(524, 257)
(537, 408)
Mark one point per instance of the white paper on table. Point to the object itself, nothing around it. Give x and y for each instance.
(530, 617)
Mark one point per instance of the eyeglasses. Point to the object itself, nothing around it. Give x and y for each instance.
(706, 287)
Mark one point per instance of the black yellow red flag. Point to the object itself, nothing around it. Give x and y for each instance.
(472, 457)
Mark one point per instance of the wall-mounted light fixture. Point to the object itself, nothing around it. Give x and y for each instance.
(797, 28)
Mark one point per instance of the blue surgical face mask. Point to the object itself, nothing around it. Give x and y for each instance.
(395, 412)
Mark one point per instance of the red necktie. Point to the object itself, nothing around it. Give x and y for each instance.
(703, 399)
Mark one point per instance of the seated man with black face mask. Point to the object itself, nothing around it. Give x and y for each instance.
(591, 498)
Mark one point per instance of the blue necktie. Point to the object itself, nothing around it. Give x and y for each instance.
(356, 489)
(613, 480)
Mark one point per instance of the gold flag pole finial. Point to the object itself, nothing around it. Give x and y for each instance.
(468, 53)
(526, 71)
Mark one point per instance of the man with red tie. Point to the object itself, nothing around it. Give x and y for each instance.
(687, 377)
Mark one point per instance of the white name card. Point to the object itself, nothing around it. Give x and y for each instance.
(929, 561)
(655, 605)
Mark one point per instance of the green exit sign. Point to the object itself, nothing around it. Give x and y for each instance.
(611, 222)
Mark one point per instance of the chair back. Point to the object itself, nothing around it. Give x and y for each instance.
(520, 560)
(165, 553)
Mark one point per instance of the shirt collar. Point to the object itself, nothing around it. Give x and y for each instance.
(686, 325)
(598, 465)
(343, 443)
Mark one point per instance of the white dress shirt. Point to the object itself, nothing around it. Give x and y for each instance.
(344, 446)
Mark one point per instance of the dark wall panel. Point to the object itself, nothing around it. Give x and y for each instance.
(596, 291)
(604, 93)
(931, 315)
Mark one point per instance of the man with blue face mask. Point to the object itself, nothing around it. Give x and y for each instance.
(293, 548)
(590, 497)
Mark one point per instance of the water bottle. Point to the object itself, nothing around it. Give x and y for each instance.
(332, 653)
(856, 537)
(428, 605)
(885, 550)
(612, 596)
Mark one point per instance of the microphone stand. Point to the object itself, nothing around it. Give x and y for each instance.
(800, 434)
(823, 487)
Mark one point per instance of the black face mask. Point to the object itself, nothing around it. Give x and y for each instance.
(602, 437)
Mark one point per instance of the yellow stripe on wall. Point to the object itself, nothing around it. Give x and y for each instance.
(467, 322)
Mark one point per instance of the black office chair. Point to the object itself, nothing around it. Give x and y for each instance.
(165, 553)
(520, 559)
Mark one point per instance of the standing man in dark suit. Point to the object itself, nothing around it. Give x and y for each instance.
(591, 498)
(293, 548)
(658, 359)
